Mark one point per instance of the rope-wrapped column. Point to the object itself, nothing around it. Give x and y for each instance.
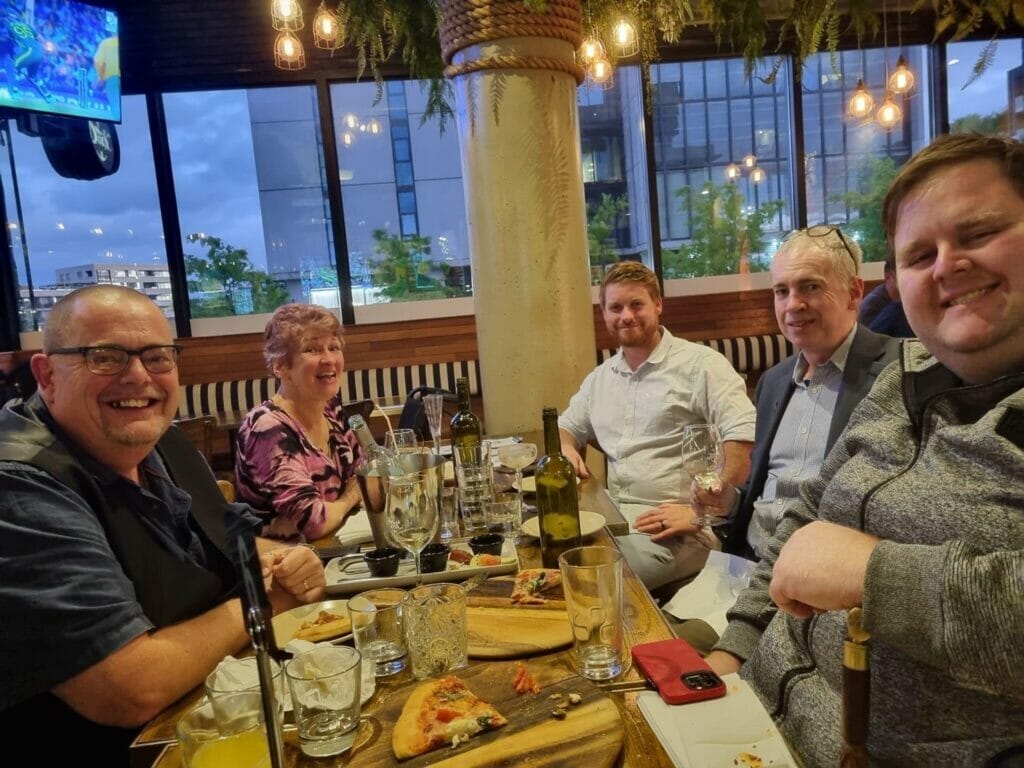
(515, 78)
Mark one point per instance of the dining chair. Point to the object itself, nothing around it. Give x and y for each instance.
(414, 415)
(200, 431)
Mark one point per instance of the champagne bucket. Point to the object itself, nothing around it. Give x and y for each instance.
(374, 488)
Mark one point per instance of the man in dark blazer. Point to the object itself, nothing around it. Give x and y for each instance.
(804, 402)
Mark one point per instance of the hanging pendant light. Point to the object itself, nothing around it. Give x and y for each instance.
(590, 50)
(732, 172)
(327, 29)
(288, 52)
(286, 15)
(902, 78)
(600, 72)
(861, 103)
(889, 114)
(757, 175)
(750, 161)
(624, 35)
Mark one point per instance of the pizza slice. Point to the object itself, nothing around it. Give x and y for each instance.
(323, 626)
(439, 713)
(530, 582)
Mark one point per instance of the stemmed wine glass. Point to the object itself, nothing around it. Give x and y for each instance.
(412, 513)
(518, 456)
(433, 404)
(704, 460)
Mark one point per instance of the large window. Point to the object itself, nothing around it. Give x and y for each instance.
(723, 155)
(66, 233)
(615, 172)
(401, 184)
(252, 201)
(994, 102)
(849, 162)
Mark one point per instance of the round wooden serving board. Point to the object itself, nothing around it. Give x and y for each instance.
(590, 735)
(514, 632)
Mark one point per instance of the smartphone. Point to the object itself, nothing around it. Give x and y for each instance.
(678, 672)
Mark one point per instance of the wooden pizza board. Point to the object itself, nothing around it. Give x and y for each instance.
(590, 735)
(500, 630)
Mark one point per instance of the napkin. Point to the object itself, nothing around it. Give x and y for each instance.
(233, 674)
(713, 733)
(356, 529)
(714, 590)
(368, 682)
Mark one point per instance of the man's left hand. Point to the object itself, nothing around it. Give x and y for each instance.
(667, 520)
(821, 568)
(294, 575)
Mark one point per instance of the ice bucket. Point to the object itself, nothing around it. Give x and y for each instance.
(374, 488)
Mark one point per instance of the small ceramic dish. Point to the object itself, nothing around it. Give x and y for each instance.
(383, 562)
(434, 558)
(486, 544)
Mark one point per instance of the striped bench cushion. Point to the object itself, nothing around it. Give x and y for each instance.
(747, 354)
(380, 384)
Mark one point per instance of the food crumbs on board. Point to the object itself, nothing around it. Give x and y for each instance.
(558, 713)
(575, 698)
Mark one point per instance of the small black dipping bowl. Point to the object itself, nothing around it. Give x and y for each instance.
(486, 544)
(434, 558)
(383, 562)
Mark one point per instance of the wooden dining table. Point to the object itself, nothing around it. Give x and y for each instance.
(155, 747)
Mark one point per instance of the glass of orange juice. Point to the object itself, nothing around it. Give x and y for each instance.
(232, 735)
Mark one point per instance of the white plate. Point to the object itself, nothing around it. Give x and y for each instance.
(286, 624)
(590, 523)
(530, 484)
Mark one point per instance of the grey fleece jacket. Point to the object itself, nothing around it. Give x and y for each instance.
(936, 469)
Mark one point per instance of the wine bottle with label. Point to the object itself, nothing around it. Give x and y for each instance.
(466, 429)
(557, 504)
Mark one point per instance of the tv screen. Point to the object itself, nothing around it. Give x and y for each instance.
(60, 57)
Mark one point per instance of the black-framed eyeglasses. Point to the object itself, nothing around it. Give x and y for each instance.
(110, 361)
(824, 230)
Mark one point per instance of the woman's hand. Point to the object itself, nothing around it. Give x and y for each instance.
(667, 520)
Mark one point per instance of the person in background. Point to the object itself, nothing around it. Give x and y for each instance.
(917, 514)
(634, 407)
(119, 578)
(891, 319)
(804, 402)
(296, 456)
(107, 63)
(881, 296)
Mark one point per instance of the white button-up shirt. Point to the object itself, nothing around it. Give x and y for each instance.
(637, 417)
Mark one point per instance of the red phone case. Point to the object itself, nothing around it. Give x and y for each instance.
(677, 671)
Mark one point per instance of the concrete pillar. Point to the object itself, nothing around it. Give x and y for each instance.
(522, 175)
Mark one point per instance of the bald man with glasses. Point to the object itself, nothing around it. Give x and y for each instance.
(118, 576)
(804, 402)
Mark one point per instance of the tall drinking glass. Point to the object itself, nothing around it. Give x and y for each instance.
(433, 404)
(412, 514)
(518, 456)
(704, 460)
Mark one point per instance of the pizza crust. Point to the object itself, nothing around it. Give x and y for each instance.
(323, 626)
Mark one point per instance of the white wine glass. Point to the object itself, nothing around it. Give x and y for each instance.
(518, 456)
(704, 460)
(400, 441)
(412, 514)
(433, 404)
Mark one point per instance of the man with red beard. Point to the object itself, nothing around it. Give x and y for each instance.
(119, 581)
(804, 402)
(634, 407)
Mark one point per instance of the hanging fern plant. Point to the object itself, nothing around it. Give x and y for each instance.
(380, 30)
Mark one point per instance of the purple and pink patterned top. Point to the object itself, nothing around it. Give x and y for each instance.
(287, 479)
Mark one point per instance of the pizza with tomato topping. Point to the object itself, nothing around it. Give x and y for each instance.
(530, 582)
(439, 713)
(323, 626)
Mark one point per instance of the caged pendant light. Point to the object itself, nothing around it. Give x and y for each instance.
(902, 79)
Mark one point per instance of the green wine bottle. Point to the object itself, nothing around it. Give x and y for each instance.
(557, 504)
(466, 429)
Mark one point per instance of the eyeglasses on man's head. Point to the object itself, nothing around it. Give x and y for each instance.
(825, 230)
(110, 361)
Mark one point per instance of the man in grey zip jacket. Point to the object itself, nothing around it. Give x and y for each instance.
(918, 512)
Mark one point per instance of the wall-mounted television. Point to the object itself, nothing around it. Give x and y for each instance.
(60, 57)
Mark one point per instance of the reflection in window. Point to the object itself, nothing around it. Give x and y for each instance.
(849, 164)
(992, 104)
(252, 200)
(401, 186)
(67, 231)
(614, 172)
(724, 182)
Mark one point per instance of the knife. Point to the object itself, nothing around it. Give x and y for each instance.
(618, 686)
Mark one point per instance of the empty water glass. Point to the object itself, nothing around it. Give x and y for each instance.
(400, 441)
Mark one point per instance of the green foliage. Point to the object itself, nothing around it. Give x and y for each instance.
(872, 183)
(601, 221)
(995, 124)
(226, 270)
(722, 232)
(403, 273)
